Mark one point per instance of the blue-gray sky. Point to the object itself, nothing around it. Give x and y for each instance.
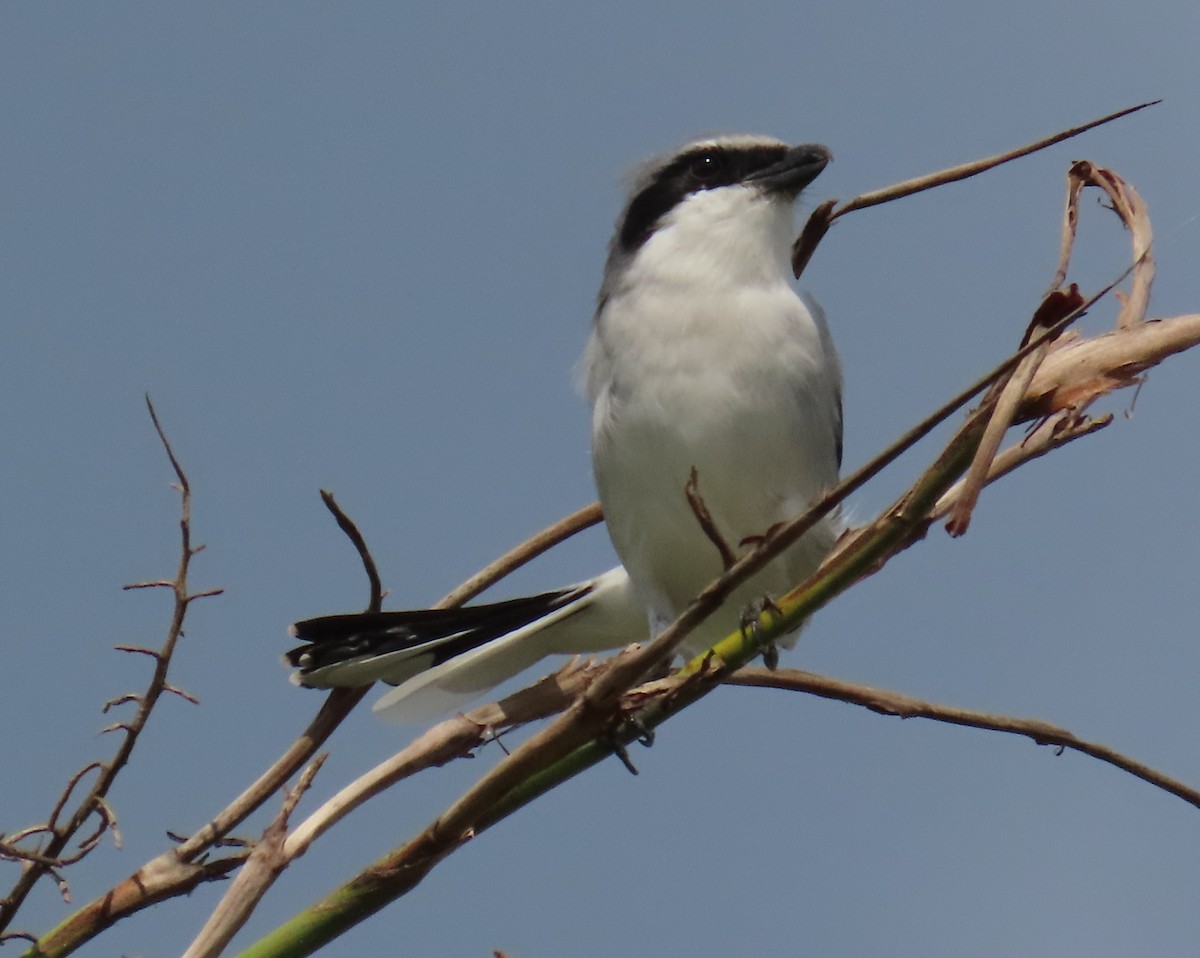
(356, 246)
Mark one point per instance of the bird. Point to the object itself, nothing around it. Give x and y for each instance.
(703, 363)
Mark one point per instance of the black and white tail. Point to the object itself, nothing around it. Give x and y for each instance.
(441, 659)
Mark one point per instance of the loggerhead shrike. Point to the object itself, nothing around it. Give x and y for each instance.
(702, 357)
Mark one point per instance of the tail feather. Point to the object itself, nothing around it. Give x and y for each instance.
(462, 679)
(431, 622)
(360, 648)
(441, 659)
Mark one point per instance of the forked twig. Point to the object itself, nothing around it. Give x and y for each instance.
(258, 872)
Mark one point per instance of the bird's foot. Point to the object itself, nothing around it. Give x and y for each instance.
(617, 734)
(750, 617)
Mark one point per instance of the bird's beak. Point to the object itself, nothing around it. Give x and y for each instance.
(799, 167)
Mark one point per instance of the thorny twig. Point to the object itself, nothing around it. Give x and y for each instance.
(43, 859)
(182, 867)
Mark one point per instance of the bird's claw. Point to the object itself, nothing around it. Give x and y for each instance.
(644, 737)
(749, 625)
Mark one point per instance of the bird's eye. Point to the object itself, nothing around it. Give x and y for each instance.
(708, 166)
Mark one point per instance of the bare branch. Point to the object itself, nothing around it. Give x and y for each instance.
(975, 167)
(453, 738)
(174, 690)
(179, 869)
(138, 650)
(704, 517)
(121, 700)
(1050, 433)
(886, 702)
(184, 487)
(1070, 227)
(516, 557)
(149, 886)
(1132, 211)
(13, 853)
(1082, 370)
(52, 822)
(27, 832)
(94, 802)
(346, 524)
(341, 701)
(64, 887)
(253, 878)
(108, 823)
(1011, 391)
(110, 820)
(824, 215)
